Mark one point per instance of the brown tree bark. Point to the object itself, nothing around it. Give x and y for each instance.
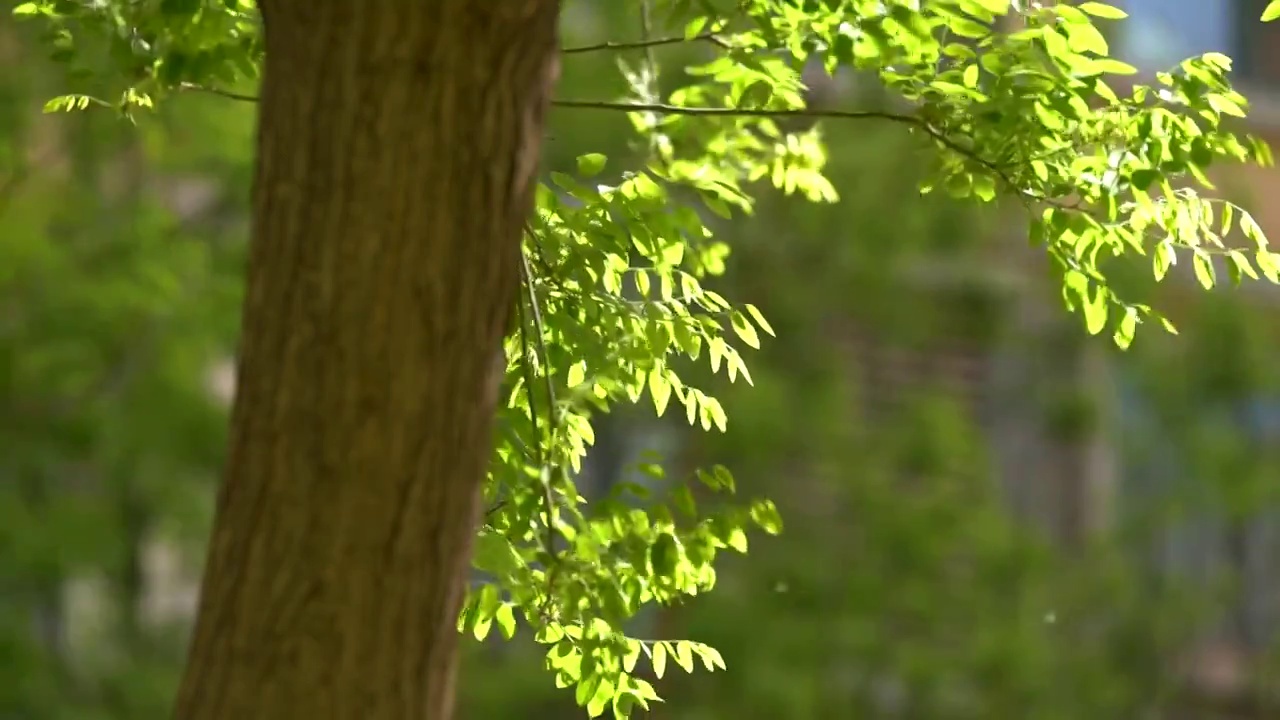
(397, 150)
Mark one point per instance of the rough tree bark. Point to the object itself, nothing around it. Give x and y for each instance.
(397, 149)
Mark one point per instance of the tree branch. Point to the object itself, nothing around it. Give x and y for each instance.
(911, 121)
(646, 44)
(218, 91)
(664, 109)
(908, 120)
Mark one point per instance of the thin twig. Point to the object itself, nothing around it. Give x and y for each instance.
(229, 94)
(647, 44)
(541, 257)
(665, 109)
(542, 453)
(545, 479)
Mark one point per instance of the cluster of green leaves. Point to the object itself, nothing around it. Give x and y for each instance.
(844, 607)
(617, 272)
(614, 298)
(988, 144)
(1030, 112)
(153, 47)
(846, 603)
(1019, 103)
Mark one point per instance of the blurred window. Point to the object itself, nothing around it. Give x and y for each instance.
(1206, 541)
(1158, 34)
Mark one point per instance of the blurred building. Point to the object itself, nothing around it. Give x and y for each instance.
(1062, 412)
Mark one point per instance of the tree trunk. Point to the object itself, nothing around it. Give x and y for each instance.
(397, 150)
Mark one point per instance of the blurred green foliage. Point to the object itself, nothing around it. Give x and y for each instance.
(117, 306)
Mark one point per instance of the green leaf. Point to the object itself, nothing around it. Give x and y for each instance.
(714, 414)
(1241, 264)
(506, 618)
(587, 688)
(1203, 265)
(659, 659)
(1272, 11)
(684, 656)
(1142, 179)
(737, 539)
(1225, 105)
(1266, 262)
(1082, 38)
(744, 330)
(1114, 67)
(485, 609)
(634, 648)
(711, 658)
(591, 164)
(984, 188)
(601, 699)
(967, 28)
(577, 374)
(623, 705)
(1252, 230)
(1126, 328)
(1103, 10)
(1095, 312)
(765, 514)
(760, 322)
(665, 555)
(494, 554)
(660, 390)
(1163, 259)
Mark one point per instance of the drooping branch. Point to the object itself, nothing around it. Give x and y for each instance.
(541, 450)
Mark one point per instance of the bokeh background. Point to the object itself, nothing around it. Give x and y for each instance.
(989, 514)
